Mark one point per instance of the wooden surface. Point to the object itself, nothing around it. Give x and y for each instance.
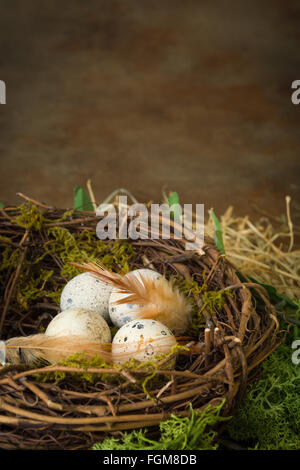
(194, 95)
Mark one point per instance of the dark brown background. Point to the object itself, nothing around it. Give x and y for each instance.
(195, 95)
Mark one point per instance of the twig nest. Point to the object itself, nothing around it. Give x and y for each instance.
(124, 313)
(142, 340)
(85, 291)
(82, 322)
(225, 365)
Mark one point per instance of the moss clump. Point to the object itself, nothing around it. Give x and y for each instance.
(269, 417)
(9, 255)
(80, 246)
(189, 433)
(29, 217)
(30, 288)
(46, 268)
(79, 361)
(211, 301)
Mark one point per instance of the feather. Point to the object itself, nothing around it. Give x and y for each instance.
(40, 348)
(158, 299)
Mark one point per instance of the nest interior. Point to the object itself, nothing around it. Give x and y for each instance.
(234, 329)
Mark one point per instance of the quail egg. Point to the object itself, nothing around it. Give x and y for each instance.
(124, 313)
(80, 322)
(141, 340)
(86, 291)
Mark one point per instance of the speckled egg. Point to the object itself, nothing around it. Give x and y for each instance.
(85, 291)
(80, 322)
(141, 340)
(124, 313)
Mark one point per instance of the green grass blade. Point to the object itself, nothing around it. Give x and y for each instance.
(218, 232)
(82, 201)
(173, 200)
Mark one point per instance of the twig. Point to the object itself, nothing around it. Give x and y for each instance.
(91, 194)
(289, 220)
(37, 203)
(16, 275)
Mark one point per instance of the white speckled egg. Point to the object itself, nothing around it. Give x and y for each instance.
(80, 322)
(147, 273)
(124, 313)
(141, 340)
(85, 291)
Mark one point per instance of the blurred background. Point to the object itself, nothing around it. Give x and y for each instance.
(191, 96)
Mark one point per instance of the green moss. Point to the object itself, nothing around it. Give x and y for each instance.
(9, 255)
(36, 281)
(189, 433)
(29, 288)
(122, 251)
(81, 246)
(30, 217)
(211, 300)
(152, 368)
(79, 361)
(269, 417)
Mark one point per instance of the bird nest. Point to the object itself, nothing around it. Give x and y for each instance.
(73, 404)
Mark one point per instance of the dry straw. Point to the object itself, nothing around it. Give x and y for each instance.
(264, 250)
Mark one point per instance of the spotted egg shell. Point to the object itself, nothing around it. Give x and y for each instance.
(141, 340)
(80, 322)
(85, 291)
(124, 313)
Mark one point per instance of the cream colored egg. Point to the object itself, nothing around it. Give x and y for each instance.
(142, 340)
(124, 313)
(80, 322)
(86, 291)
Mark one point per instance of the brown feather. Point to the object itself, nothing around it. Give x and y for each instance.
(42, 349)
(159, 298)
(49, 349)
